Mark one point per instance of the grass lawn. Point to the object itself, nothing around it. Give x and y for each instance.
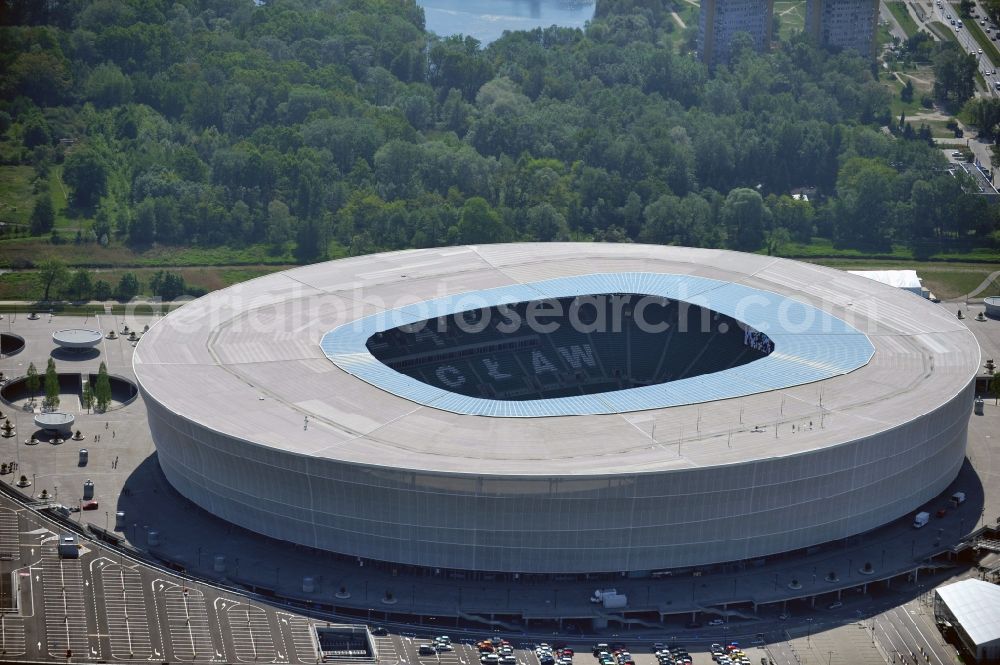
(822, 248)
(30, 251)
(920, 88)
(65, 309)
(16, 195)
(946, 281)
(688, 13)
(23, 285)
(939, 128)
(903, 17)
(943, 31)
(955, 283)
(792, 14)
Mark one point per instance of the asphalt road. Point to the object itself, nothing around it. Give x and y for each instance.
(945, 12)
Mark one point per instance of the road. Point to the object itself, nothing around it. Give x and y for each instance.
(947, 14)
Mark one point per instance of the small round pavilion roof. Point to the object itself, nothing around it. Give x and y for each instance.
(77, 338)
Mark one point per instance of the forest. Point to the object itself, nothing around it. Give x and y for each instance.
(328, 127)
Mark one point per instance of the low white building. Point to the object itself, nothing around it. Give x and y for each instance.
(972, 607)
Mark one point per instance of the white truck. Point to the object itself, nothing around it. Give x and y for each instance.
(599, 595)
(921, 519)
(958, 498)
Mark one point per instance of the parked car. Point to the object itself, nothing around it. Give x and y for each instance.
(716, 622)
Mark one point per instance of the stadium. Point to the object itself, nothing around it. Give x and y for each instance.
(559, 409)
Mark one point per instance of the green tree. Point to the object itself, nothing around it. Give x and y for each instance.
(777, 237)
(746, 218)
(985, 115)
(51, 385)
(32, 380)
(673, 221)
(906, 94)
(36, 132)
(278, 225)
(128, 287)
(87, 175)
(865, 208)
(142, 230)
(107, 86)
(545, 223)
(479, 223)
(52, 274)
(102, 389)
(954, 74)
(102, 290)
(167, 285)
(311, 241)
(796, 216)
(81, 286)
(87, 396)
(43, 215)
(993, 10)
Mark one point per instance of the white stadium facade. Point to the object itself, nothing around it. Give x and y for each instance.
(384, 407)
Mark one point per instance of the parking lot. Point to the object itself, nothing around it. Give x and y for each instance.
(125, 610)
(251, 631)
(64, 603)
(104, 606)
(404, 649)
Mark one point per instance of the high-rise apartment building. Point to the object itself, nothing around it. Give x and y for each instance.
(847, 24)
(721, 19)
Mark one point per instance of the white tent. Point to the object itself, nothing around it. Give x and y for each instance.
(901, 279)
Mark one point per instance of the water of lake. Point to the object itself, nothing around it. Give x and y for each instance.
(486, 20)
